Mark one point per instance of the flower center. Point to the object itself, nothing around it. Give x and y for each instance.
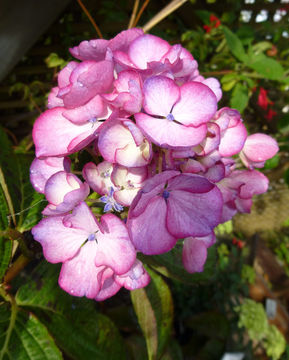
(91, 237)
(166, 194)
(170, 117)
(92, 120)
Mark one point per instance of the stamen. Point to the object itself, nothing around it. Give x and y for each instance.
(166, 194)
(170, 117)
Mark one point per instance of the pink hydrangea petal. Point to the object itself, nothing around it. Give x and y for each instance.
(260, 147)
(160, 94)
(79, 276)
(109, 286)
(53, 133)
(197, 104)
(122, 40)
(216, 173)
(99, 176)
(70, 200)
(167, 133)
(211, 141)
(233, 140)
(94, 109)
(150, 189)
(90, 50)
(114, 246)
(244, 205)
(255, 183)
(59, 185)
(149, 231)
(135, 278)
(191, 183)
(147, 48)
(59, 242)
(125, 197)
(87, 80)
(53, 100)
(41, 170)
(215, 86)
(189, 214)
(64, 74)
(194, 255)
(83, 219)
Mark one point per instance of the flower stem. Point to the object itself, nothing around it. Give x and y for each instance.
(14, 310)
(133, 15)
(90, 19)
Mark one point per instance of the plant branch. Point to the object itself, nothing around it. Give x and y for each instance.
(90, 18)
(145, 4)
(166, 11)
(14, 310)
(15, 268)
(133, 15)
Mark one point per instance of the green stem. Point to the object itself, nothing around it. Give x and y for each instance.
(14, 310)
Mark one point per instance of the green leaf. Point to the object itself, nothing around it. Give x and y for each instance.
(240, 97)
(268, 67)
(153, 306)
(173, 351)
(75, 324)
(5, 255)
(235, 45)
(25, 337)
(272, 163)
(4, 211)
(170, 265)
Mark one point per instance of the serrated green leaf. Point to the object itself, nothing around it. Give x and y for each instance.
(87, 335)
(4, 211)
(170, 265)
(153, 306)
(240, 98)
(75, 324)
(235, 45)
(28, 338)
(5, 255)
(268, 67)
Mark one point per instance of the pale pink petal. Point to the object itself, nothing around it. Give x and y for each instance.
(114, 246)
(83, 219)
(160, 94)
(194, 255)
(149, 231)
(147, 48)
(233, 140)
(215, 86)
(53, 100)
(64, 74)
(197, 104)
(216, 173)
(91, 111)
(260, 147)
(59, 242)
(135, 278)
(99, 176)
(122, 40)
(79, 276)
(109, 286)
(53, 133)
(41, 170)
(87, 80)
(90, 50)
(167, 133)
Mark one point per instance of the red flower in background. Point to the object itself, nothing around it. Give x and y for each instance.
(270, 114)
(263, 100)
(214, 23)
